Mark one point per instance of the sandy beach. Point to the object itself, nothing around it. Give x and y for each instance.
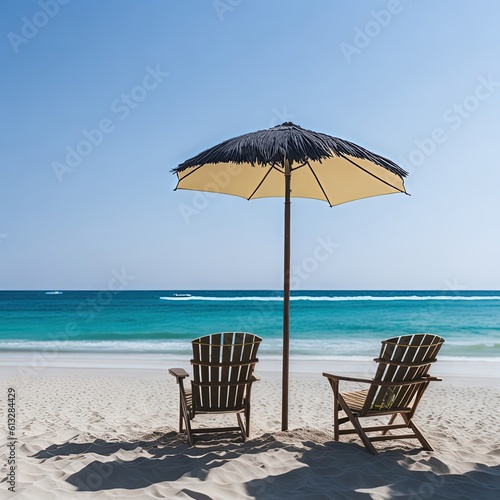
(105, 427)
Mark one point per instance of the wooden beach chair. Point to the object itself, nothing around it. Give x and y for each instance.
(399, 383)
(223, 365)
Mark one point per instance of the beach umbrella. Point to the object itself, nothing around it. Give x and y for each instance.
(286, 161)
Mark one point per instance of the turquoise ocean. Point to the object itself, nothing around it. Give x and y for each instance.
(323, 324)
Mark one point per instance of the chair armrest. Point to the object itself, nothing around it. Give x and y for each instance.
(255, 378)
(178, 373)
(433, 379)
(348, 379)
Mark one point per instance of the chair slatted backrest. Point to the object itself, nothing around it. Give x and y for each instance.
(223, 365)
(402, 359)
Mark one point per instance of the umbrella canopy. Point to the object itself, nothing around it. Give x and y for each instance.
(324, 167)
(287, 161)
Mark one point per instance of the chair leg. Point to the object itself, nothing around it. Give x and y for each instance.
(391, 421)
(181, 419)
(357, 426)
(361, 433)
(335, 387)
(418, 433)
(189, 432)
(190, 438)
(336, 406)
(242, 427)
(247, 419)
(185, 418)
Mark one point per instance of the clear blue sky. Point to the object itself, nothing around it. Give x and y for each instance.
(416, 81)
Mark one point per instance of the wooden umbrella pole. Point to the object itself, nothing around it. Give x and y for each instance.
(286, 301)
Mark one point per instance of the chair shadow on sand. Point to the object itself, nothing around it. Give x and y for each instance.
(313, 470)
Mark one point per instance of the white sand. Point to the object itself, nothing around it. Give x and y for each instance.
(108, 430)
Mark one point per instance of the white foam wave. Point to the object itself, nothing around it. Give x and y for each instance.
(53, 293)
(47, 350)
(96, 346)
(327, 349)
(221, 299)
(179, 297)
